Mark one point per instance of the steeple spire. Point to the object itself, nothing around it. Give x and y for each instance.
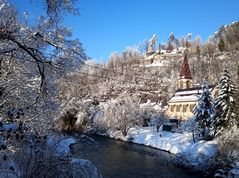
(185, 72)
(185, 77)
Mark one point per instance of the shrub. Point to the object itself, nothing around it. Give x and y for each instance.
(68, 120)
(228, 149)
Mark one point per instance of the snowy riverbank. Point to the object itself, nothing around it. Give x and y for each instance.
(53, 151)
(181, 145)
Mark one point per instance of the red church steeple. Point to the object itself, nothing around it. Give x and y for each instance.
(185, 77)
(185, 69)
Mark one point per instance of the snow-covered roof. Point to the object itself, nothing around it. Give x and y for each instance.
(192, 91)
(189, 94)
(184, 98)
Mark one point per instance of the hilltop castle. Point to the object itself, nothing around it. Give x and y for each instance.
(169, 52)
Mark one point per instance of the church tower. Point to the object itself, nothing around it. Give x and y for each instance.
(185, 77)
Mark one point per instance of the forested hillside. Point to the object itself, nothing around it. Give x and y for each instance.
(130, 72)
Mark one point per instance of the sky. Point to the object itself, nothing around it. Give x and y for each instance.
(106, 26)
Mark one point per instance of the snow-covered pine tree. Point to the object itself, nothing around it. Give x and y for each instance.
(203, 110)
(224, 107)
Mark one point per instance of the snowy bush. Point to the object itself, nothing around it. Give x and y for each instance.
(123, 113)
(146, 114)
(190, 125)
(25, 154)
(99, 120)
(78, 115)
(157, 120)
(45, 157)
(228, 149)
(8, 168)
(82, 120)
(68, 120)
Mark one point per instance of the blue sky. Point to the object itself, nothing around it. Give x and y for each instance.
(106, 26)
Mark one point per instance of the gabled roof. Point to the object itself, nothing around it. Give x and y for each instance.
(191, 91)
(185, 72)
(185, 98)
(188, 94)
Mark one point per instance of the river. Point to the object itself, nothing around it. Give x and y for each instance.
(117, 159)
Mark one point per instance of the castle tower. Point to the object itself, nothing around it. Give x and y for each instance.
(185, 77)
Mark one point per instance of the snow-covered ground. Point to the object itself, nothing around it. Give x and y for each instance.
(235, 170)
(156, 64)
(176, 143)
(61, 144)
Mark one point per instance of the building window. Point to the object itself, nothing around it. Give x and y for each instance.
(185, 107)
(188, 84)
(178, 108)
(192, 107)
(172, 108)
(181, 84)
(216, 94)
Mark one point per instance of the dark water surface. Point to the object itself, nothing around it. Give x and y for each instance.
(117, 159)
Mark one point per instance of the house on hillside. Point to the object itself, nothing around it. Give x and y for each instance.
(181, 105)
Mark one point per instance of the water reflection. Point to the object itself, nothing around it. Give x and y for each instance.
(117, 159)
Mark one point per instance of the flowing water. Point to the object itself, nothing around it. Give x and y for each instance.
(117, 159)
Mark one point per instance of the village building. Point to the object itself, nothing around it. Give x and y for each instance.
(160, 55)
(181, 105)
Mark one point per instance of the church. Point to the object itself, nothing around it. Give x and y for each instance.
(181, 105)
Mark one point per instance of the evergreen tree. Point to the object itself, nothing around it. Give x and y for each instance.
(221, 45)
(203, 110)
(224, 107)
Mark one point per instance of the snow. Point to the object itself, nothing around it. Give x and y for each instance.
(61, 144)
(154, 105)
(176, 143)
(191, 95)
(81, 167)
(237, 164)
(188, 92)
(235, 171)
(156, 64)
(193, 91)
(6, 168)
(2, 6)
(84, 168)
(1, 141)
(6, 127)
(78, 167)
(184, 98)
